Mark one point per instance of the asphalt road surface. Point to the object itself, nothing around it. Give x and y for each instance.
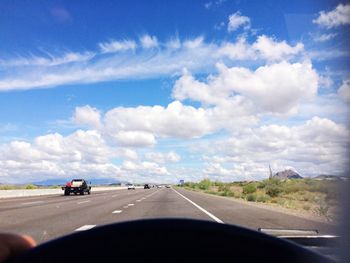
(48, 217)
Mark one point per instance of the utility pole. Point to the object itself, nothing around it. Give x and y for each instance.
(270, 172)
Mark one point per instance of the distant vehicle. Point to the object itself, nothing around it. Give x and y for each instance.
(167, 186)
(77, 186)
(130, 186)
(146, 186)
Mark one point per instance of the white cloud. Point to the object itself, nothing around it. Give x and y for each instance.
(159, 157)
(145, 168)
(88, 116)
(173, 43)
(337, 17)
(148, 41)
(158, 121)
(168, 59)
(133, 138)
(82, 153)
(47, 61)
(344, 91)
(194, 43)
(116, 46)
(239, 50)
(314, 147)
(236, 20)
(272, 50)
(325, 37)
(263, 48)
(276, 88)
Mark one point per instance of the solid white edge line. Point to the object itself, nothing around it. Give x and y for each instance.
(85, 227)
(200, 208)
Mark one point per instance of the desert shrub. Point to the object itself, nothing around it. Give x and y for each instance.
(251, 197)
(322, 209)
(31, 186)
(7, 187)
(273, 190)
(204, 184)
(262, 198)
(224, 188)
(249, 189)
(274, 201)
(227, 193)
(306, 207)
(293, 186)
(261, 185)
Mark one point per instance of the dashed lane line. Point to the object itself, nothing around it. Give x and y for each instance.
(117, 211)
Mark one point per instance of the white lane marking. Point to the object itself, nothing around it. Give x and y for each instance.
(32, 203)
(152, 193)
(138, 200)
(117, 211)
(130, 204)
(200, 208)
(82, 202)
(85, 227)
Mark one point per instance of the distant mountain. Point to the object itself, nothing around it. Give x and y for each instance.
(98, 181)
(287, 174)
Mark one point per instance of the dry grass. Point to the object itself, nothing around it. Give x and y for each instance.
(311, 196)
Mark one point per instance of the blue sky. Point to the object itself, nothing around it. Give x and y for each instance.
(159, 91)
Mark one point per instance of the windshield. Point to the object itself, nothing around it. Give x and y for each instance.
(236, 112)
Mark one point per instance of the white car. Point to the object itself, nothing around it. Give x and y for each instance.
(130, 186)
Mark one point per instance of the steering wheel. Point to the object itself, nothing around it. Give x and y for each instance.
(174, 240)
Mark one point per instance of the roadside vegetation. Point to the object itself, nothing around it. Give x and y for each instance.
(25, 186)
(307, 195)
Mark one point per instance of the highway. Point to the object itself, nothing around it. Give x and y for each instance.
(48, 217)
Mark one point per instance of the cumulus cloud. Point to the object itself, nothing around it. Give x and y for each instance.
(116, 46)
(158, 121)
(88, 116)
(238, 50)
(337, 17)
(148, 41)
(264, 47)
(314, 147)
(159, 157)
(133, 138)
(275, 88)
(272, 50)
(145, 168)
(237, 20)
(80, 153)
(344, 91)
